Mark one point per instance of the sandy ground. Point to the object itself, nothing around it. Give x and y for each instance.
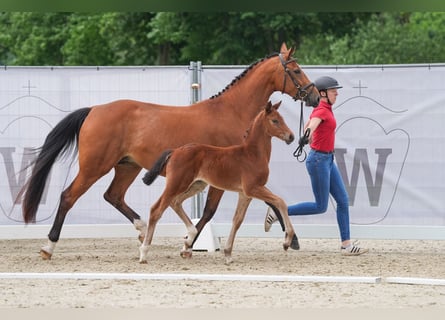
(261, 256)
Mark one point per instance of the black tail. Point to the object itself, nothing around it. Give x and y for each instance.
(61, 140)
(157, 168)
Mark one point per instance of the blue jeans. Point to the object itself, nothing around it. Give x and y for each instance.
(325, 179)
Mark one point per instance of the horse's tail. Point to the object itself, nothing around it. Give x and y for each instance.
(61, 140)
(157, 168)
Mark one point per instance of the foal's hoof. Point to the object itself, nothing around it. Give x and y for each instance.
(294, 244)
(186, 253)
(141, 238)
(45, 255)
(143, 261)
(285, 246)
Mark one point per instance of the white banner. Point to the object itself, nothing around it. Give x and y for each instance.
(390, 140)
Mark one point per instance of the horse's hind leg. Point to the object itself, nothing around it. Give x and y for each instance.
(176, 205)
(67, 199)
(156, 212)
(125, 173)
(238, 218)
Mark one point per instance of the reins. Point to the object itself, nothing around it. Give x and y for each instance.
(303, 139)
(302, 93)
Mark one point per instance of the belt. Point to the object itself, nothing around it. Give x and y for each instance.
(324, 152)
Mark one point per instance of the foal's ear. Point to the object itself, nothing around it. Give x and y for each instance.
(277, 105)
(268, 107)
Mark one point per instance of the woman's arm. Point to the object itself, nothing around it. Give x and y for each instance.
(312, 124)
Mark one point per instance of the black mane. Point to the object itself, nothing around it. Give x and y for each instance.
(242, 74)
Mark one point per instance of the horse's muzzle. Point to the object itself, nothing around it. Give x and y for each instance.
(289, 139)
(313, 99)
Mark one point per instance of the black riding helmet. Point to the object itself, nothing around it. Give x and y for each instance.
(325, 83)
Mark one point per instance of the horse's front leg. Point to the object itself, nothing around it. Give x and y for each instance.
(238, 218)
(213, 198)
(279, 206)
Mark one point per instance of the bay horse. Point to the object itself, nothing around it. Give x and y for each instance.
(133, 134)
(242, 168)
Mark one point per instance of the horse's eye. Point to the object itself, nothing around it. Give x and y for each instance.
(297, 71)
(275, 121)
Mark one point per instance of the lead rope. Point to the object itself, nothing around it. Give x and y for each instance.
(300, 153)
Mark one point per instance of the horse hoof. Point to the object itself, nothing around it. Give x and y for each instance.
(186, 254)
(228, 261)
(285, 247)
(141, 238)
(45, 255)
(143, 261)
(294, 244)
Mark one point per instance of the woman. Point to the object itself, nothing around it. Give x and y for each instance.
(324, 174)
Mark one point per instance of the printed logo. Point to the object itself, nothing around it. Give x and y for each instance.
(370, 155)
(26, 126)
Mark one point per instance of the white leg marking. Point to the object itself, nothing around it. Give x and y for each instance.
(49, 248)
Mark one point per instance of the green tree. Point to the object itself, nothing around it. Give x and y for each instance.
(219, 38)
(32, 38)
(386, 38)
(225, 37)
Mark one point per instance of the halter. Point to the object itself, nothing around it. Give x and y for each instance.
(302, 92)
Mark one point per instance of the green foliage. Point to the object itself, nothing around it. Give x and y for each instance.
(386, 38)
(219, 38)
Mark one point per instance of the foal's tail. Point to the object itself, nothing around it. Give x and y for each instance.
(61, 140)
(157, 168)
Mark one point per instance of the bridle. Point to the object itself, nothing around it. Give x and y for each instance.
(302, 92)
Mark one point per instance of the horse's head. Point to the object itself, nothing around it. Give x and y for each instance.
(275, 125)
(295, 82)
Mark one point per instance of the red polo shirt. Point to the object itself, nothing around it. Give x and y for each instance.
(323, 138)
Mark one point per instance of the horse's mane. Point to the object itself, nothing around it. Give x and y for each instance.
(242, 74)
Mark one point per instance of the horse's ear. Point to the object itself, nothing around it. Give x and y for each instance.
(277, 105)
(287, 53)
(268, 107)
(283, 47)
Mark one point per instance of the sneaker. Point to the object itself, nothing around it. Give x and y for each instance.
(353, 250)
(271, 217)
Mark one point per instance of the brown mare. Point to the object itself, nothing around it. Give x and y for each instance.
(243, 168)
(133, 135)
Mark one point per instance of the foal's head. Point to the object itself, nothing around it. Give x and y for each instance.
(274, 123)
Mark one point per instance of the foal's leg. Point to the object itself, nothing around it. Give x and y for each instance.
(177, 184)
(156, 212)
(294, 244)
(238, 218)
(176, 205)
(124, 175)
(263, 193)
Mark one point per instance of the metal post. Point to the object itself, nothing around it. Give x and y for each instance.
(195, 94)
